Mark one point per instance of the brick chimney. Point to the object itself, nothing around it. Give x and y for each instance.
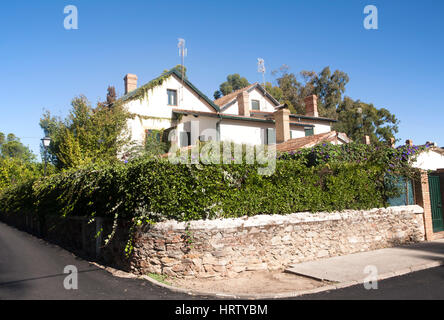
(311, 106)
(366, 140)
(130, 82)
(243, 102)
(282, 122)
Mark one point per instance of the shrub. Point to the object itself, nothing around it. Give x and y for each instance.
(156, 189)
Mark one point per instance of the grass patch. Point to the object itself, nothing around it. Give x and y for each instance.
(159, 277)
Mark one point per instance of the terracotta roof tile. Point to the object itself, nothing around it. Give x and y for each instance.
(310, 141)
(225, 99)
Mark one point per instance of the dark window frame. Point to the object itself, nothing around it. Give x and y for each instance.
(309, 131)
(174, 97)
(258, 105)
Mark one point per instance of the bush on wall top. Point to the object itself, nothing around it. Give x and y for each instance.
(156, 189)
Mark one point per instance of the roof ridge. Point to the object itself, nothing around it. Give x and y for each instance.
(227, 98)
(132, 94)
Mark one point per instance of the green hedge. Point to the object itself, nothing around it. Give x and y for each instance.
(157, 189)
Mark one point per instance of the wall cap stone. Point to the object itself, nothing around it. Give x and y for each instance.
(294, 218)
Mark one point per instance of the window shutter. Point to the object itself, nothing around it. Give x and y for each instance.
(309, 132)
(185, 139)
(271, 136)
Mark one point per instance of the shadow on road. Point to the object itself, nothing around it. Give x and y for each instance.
(2, 284)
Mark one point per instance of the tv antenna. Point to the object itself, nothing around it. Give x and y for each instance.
(182, 54)
(261, 69)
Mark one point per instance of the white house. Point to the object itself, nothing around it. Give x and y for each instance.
(432, 159)
(249, 115)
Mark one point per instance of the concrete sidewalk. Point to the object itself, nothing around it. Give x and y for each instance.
(390, 262)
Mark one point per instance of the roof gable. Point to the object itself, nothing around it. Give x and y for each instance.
(225, 101)
(141, 92)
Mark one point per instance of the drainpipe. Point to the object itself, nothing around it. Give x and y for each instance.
(218, 127)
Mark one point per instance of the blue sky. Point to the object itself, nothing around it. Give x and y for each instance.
(400, 66)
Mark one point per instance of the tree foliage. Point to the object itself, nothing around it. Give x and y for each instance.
(11, 147)
(87, 134)
(327, 86)
(330, 87)
(357, 119)
(17, 162)
(179, 69)
(234, 82)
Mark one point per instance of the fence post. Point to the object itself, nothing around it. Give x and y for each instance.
(423, 199)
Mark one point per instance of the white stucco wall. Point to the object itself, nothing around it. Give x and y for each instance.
(255, 94)
(233, 109)
(198, 126)
(247, 132)
(137, 127)
(429, 160)
(297, 132)
(155, 105)
(265, 103)
(157, 114)
(321, 128)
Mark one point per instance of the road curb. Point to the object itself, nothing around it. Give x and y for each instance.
(328, 287)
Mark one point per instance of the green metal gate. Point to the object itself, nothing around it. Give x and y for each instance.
(436, 203)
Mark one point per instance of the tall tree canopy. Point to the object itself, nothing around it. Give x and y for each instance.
(291, 89)
(327, 86)
(234, 82)
(357, 119)
(11, 147)
(87, 134)
(17, 162)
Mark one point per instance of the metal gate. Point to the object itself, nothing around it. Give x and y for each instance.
(436, 203)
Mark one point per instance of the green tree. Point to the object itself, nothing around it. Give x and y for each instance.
(275, 91)
(11, 147)
(330, 87)
(178, 68)
(234, 82)
(17, 162)
(15, 170)
(327, 86)
(87, 134)
(356, 119)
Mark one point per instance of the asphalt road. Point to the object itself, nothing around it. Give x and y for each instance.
(31, 268)
(421, 285)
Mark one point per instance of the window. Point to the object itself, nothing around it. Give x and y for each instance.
(155, 135)
(255, 105)
(309, 131)
(172, 97)
(270, 136)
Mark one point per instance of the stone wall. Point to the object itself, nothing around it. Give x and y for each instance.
(226, 247)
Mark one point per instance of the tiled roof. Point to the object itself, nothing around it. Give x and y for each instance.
(310, 141)
(231, 96)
